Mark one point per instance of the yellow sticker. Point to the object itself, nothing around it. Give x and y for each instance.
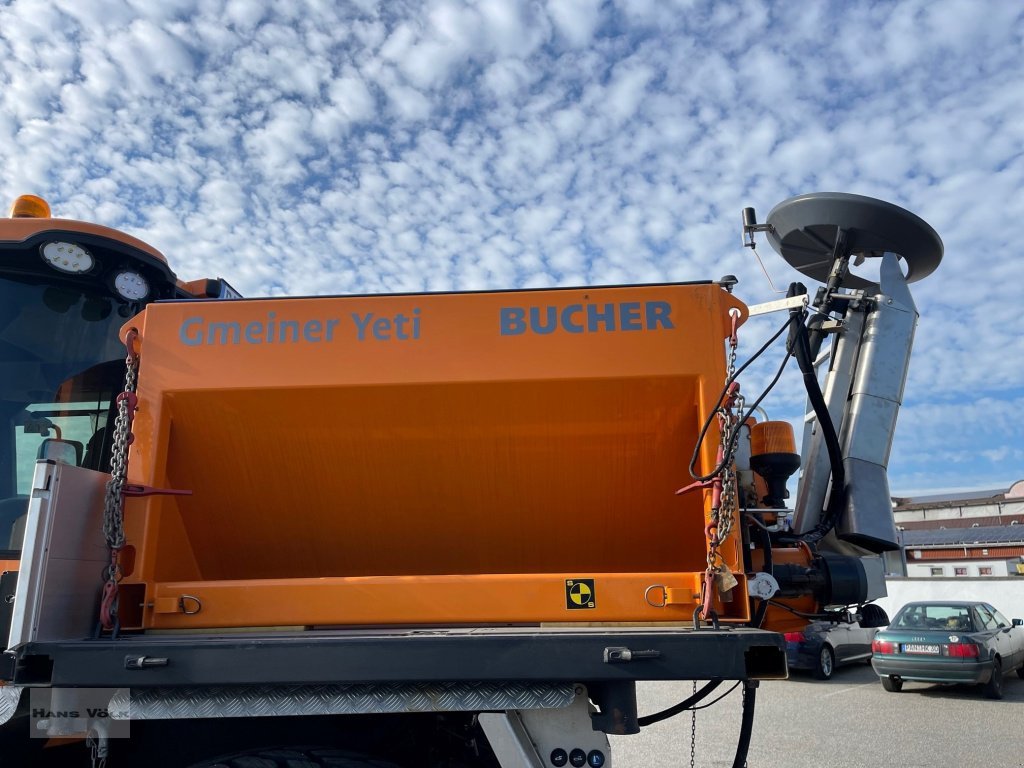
(579, 594)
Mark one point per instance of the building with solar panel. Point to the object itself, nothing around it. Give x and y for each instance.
(976, 534)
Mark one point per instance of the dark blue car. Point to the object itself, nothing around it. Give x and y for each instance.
(823, 645)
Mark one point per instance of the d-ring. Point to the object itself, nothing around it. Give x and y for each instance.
(191, 599)
(664, 595)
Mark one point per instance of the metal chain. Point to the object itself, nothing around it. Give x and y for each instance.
(113, 505)
(97, 751)
(693, 730)
(743, 693)
(724, 497)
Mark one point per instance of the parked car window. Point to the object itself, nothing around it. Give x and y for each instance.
(1001, 621)
(988, 621)
(951, 617)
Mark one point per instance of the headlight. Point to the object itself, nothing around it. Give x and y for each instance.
(131, 285)
(67, 257)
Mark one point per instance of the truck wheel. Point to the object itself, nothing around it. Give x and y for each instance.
(295, 757)
(826, 663)
(994, 686)
(892, 684)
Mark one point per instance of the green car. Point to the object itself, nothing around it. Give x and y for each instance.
(949, 642)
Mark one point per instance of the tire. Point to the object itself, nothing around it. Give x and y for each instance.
(892, 684)
(826, 663)
(295, 757)
(1020, 671)
(994, 686)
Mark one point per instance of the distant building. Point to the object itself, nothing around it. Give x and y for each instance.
(960, 535)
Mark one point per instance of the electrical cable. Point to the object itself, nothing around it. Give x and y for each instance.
(715, 701)
(675, 709)
(801, 614)
(725, 390)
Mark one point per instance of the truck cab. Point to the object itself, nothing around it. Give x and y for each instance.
(66, 288)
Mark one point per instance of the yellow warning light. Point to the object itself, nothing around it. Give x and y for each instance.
(772, 437)
(30, 207)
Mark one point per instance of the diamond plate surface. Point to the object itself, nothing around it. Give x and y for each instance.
(268, 701)
(9, 696)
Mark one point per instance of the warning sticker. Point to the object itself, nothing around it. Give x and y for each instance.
(579, 594)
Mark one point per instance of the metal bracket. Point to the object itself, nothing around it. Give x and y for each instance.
(778, 305)
(539, 738)
(762, 585)
(135, 489)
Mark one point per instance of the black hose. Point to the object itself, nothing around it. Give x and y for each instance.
(837, 495)
(746, 725)
(675, 709)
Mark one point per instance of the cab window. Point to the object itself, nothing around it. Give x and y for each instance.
(72, 423)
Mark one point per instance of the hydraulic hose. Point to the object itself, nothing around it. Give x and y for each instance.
(802, 352)
(746, 724)
(682, 706)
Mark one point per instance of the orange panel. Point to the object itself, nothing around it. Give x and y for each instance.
(440, 600)
(482, 435)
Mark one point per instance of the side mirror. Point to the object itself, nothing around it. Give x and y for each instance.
(873, 616)
(35, 425)
(1017, 622)
(61, 451)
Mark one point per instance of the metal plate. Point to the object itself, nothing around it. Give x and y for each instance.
(59, 584)
(803, 231)
(9, 697)
(8, 587)
(274, 701)
(924, 648)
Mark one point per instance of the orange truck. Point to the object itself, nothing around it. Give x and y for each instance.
(447, 529)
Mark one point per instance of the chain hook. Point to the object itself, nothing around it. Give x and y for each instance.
(113, 505)
(734, 315)
(131, 336)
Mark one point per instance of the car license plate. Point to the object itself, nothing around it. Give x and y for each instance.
(920, 648)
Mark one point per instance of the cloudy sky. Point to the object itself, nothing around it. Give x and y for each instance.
(322, 147)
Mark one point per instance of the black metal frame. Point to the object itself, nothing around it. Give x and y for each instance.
(490, 654)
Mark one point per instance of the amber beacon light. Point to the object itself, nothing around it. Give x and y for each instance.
(30, 207)
(773, 456)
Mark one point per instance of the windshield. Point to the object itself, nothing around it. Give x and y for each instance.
(61, 363)
(945, 617)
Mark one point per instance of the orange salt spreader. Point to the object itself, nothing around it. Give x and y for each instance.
(506, 457)
(563, 486)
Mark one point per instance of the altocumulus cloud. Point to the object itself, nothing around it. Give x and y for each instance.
(313, 147)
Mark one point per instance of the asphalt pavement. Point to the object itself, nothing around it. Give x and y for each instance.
(846, 722)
